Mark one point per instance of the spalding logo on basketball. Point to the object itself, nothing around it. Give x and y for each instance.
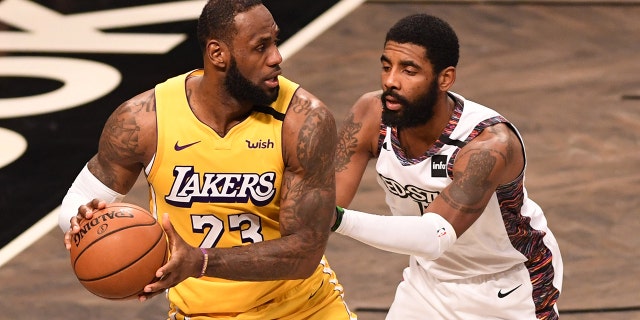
(118, 251)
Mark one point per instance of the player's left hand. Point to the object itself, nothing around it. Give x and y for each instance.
(185, 261)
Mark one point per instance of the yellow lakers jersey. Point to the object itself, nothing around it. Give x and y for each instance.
(219, 191)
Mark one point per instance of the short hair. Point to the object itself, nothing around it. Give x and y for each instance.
(217, 17)
(433, 34)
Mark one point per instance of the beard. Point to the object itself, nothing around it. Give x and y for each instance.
(243, 89)
(413, 113)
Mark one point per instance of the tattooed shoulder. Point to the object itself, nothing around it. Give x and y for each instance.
(124, 131)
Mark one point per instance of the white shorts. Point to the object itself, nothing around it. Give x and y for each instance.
(504, 295)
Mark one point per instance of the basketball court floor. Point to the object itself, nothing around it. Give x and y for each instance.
(565, 72)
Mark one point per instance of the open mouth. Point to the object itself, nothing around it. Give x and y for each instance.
(392, 103)
(272, 82)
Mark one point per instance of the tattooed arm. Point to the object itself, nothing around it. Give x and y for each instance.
(127, 142)
(308, 190)
(495, 157)
(357, 144)
(307, 205)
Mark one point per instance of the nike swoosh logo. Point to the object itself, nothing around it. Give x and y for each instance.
(320, 287)
(179, 147)
(502, 295)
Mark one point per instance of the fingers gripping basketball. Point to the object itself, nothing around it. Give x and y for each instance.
(117, 253)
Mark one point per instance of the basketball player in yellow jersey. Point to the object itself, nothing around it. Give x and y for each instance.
(240, 165)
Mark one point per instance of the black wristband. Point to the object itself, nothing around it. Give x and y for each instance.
(339, 214)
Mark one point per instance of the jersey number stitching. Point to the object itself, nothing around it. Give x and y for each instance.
(248, 224)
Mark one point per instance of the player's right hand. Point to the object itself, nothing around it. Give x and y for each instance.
(85, 212)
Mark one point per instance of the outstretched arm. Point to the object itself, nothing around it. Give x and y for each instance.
(495, 157)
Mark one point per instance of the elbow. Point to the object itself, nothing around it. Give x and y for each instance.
(304, 273)
(303, 270)
(309, 265)
(308, 262)
(429, 255)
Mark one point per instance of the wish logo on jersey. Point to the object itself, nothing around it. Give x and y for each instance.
(188, 187)
(260, 144)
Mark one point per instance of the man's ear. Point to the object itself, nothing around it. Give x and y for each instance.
(446, 78)
(217, 52)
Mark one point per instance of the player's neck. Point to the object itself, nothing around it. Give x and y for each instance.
(214, 107)
(416, 141)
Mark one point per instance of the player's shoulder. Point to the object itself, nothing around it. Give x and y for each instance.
(367, 101)
(499, 139)
(136, 118)
(371, 98)
(307, 116)
(141, 106)
(368, 108)
(144, 101)
(303, 98)
(500, 145)
(305, 104)
(308, 127)
(498, 133)
(138, 111)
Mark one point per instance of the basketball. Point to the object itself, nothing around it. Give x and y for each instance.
(117, 253)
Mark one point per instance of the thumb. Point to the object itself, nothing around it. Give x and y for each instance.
(168, 227)
(170, 233)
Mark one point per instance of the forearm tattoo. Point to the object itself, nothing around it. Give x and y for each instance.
(347, 142)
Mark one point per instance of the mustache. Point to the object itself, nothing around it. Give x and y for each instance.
(390, 93)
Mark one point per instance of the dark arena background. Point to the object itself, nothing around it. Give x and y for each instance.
(565, 72)
(61, 135)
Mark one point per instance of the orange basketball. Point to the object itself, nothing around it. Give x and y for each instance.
(118, 252)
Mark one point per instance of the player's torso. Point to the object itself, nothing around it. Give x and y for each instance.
(227, 186)
(410, 185)
(219, 191)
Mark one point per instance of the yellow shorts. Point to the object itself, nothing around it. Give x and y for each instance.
(325, 301)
